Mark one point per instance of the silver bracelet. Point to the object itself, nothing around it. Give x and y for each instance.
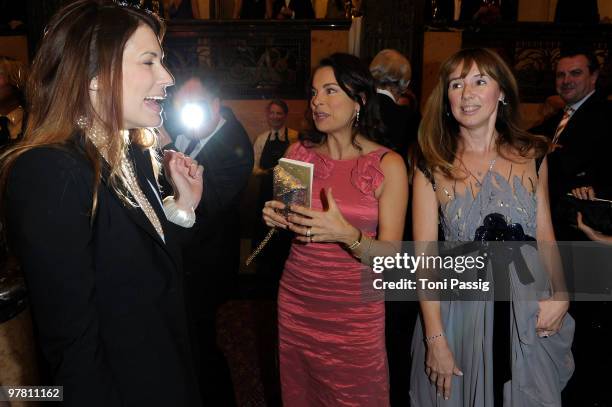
(178, 216)
(428, 339)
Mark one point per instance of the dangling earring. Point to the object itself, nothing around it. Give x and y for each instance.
(447, 109)
(356, 123)
(503, 101)
(82, 122)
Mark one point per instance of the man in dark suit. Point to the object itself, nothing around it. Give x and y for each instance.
(292, 9)
(392, 73)
(221, 145)
(581, 134)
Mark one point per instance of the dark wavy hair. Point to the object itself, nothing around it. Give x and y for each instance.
(573, 50)
(357, 82)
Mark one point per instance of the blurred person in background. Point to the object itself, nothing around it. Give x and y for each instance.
(580, 161)
(392, 72)
(212, 251)
(268, 148)
(13, 76)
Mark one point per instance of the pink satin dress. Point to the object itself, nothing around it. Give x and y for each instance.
(331, 326)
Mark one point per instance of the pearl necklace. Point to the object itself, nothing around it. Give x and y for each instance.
(99, 139)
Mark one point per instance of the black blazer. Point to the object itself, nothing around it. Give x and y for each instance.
(584, 156)
(106, 294)
(401, 125)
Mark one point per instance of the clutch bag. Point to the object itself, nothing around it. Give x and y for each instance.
(595, 213)
(292, 185)
(289, 189)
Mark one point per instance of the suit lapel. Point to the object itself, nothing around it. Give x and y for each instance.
(568, 135)
(145, 175)
(142, 167)
(211, 146)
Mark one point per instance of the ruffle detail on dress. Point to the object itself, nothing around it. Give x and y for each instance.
(367, 174)
(322, 166)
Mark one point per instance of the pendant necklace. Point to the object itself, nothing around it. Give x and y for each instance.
(478, 181)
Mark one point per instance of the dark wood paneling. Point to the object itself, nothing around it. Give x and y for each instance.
(396, 24)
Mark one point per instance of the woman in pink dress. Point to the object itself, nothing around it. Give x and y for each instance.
(331, 330)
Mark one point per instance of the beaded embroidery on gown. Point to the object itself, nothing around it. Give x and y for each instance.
(540, 367)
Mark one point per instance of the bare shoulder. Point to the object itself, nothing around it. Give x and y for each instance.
(368, 146)
(392, 161)
(513, 155)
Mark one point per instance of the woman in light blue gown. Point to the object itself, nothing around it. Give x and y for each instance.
(480, 173)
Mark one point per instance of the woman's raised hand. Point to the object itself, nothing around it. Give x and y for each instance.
(185, 176)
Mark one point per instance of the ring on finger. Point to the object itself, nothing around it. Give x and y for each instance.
(308, 231)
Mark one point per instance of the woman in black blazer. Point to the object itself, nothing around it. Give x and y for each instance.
(84, 215)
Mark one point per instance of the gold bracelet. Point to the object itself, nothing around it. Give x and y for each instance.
(356, 243)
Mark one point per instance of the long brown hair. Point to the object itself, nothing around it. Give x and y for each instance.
(85, 39)
(439, 131)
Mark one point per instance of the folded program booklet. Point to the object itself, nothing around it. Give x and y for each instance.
(292, 186)
(293, 182)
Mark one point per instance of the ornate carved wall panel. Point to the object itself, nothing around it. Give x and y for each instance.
(395, 24)
(532, 50)
(38, 15)
(251, 60)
